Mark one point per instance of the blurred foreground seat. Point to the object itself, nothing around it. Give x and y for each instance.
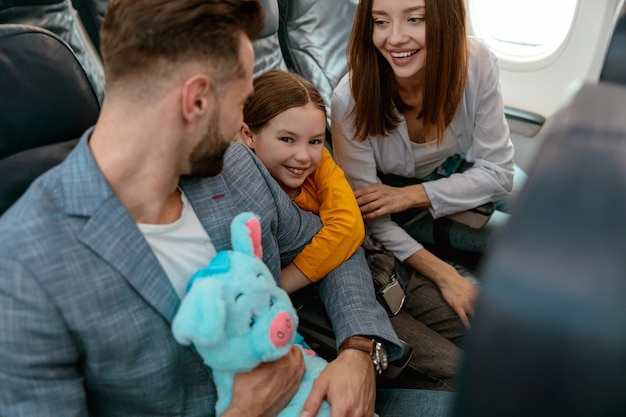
(549, 335)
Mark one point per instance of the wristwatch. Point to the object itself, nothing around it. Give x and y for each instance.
(376, 349)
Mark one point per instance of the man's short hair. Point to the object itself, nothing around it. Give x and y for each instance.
(137, 35)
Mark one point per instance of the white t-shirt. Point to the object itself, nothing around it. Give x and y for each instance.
(427, 156)
(182, 247)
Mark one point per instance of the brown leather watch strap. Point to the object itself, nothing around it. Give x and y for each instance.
(358, 342)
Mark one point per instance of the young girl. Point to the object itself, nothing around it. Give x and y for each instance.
(285, 123)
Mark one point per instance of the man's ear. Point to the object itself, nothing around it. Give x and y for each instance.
(197, 97)
(247, 135)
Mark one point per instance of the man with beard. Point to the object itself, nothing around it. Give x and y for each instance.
(95, 257)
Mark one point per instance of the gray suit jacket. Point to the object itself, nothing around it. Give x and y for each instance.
(85, 308)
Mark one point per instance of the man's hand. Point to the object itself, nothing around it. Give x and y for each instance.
(266, 390)
(378, 199)
(349, 385)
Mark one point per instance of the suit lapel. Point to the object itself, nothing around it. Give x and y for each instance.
(113, 235)
(213, 205)
(110, 232)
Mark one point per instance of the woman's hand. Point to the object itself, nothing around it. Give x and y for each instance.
(460, 293)
(378, 199)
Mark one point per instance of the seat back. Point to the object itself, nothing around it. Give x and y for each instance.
(313, 37)
(91, 13)
(46, 102)
(549, 334)
(267, 53)
(60, 18)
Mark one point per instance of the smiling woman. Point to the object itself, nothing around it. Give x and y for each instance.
(418, 127)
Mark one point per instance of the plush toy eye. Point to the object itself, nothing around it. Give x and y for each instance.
(252, 320)
(238, 295)
(272, 300)
(259, 275)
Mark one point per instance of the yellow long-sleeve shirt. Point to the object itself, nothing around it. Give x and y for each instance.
(327, 193)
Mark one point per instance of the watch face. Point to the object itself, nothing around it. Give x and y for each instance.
(379, 357)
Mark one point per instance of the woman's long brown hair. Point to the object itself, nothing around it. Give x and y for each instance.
(373, 83)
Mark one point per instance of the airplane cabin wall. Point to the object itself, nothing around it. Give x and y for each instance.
(542, 88)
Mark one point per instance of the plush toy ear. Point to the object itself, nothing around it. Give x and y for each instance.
(202, 314)
(245, 233)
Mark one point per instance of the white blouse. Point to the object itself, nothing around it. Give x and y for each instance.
(479, 127)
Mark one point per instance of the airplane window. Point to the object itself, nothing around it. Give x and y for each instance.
(522, 30)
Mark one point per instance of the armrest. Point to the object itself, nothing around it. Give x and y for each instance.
(396, 366)
(524, 122)
(476, 217)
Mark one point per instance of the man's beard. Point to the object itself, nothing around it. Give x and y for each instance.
(207, 158)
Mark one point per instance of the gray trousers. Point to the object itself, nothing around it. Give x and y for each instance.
(434, 330)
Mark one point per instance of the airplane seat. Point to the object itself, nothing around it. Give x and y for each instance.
(60, 18)
(614, 68)
(91, 13)
(548, 336)
(46, 102)
(313, 37)
(267, 53)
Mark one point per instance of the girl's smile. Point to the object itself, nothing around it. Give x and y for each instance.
(290, 145)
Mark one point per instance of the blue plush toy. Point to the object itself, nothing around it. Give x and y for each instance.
(236, 317)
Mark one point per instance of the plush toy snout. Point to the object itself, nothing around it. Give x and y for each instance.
(281, 329)
(274, 329)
